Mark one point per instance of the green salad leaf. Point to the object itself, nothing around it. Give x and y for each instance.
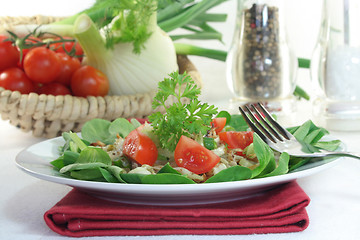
(105, 131)
(81, 161)
(235, 173)
(166, 178)
(265, 156)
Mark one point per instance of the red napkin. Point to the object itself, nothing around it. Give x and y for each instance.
(278, 210)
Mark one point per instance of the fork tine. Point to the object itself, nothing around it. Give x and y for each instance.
(268, 126)
(263, 133)
(252, 125)
(278, 127)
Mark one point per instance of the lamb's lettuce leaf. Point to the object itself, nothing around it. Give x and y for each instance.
(81, 161)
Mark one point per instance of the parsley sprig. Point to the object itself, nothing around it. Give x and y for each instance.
(180, 118)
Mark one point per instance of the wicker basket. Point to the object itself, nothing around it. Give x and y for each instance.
(48, 116)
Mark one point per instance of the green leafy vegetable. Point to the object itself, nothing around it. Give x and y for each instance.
(209, 143)
(282, 167)
(82, 166)
(94, 155)
(332, 145)
(296, 162)
(81, 161)
(265, 156)
(108, 176)
(105, 131)
(88, 174)
(96, 130)
(237, 123)
(180, 118)
(235, 173)
(132, 177)
(168, 169)
(116, 172)
(166, 178)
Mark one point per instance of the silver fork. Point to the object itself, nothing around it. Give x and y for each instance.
(277, 137)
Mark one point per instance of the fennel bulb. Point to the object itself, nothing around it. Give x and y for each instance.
(128, 72)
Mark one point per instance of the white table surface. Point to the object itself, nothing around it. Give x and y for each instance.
(334, 210)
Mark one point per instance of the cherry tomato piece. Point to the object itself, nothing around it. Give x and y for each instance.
(218, 124)
(68, 66)
(88, 81)
(194, 157)
(235, 139)
(140, 148)
(54, 89)
(9, 54)
(42, 65)
(15, 79)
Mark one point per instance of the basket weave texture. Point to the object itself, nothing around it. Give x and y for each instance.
(48, 116)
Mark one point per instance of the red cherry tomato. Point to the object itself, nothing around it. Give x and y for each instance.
(88, 81)
(15, 79)
(235, 139)
(74, 48)
(140, 148)
(42, 65)
(218, 124)
(54, 89)
(29, 40)
(9, 54)
(194, 157)
(68, 66)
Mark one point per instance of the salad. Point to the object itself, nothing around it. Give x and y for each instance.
(190, 143)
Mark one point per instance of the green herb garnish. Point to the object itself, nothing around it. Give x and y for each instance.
(180, 118)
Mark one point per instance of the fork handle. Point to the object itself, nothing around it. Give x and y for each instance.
(343, 154)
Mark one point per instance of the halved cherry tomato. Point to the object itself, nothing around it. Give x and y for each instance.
(9, 54)
(42, 65)
(54, 89)
(218, 124)
(15, 79)
(235, 139)
(68, 66)
(140, 148)
(194, 157)
(89, 81)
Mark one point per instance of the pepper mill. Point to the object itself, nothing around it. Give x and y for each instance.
(260, 63)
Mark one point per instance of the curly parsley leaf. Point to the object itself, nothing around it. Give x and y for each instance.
(180, 118)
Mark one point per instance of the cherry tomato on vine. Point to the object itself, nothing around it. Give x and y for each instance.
(140, 148)
(54, 89)
(194, 157)
(15, 79)
(235, 139)
(42, 65)
(89, 81)
(74, 48)
(68, 66)
(9, 54)
(29, 40)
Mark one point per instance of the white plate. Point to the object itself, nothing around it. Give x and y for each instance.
(35, 161)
